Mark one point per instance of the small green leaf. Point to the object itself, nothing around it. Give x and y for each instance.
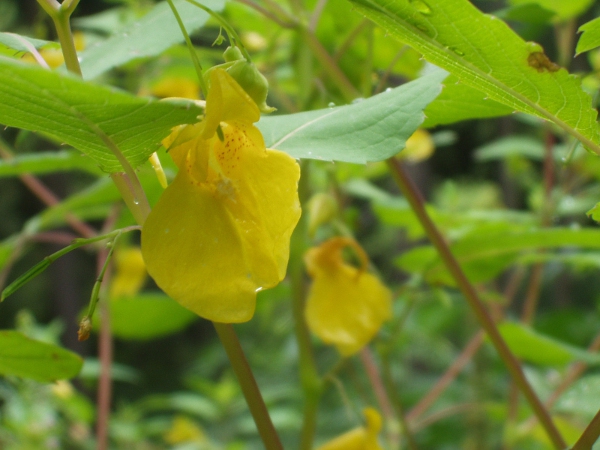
(594, 213)
(564, 9)
(531, 346)
(47, 162)
(147, 317)
(149, 36)
(11, 43)
(590, 38)
(370, 130)
(484, 53)
(87, 116)
(528, 13)
(24, 357)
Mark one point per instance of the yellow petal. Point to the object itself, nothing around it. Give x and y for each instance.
(194, 252)
(359, 438)
(227, 101)
(345, 307)
(130, 273)
(419, 147)
(263, 198)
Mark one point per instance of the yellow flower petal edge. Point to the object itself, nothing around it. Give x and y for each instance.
(360, 438)
(220, 232)
(346, 306)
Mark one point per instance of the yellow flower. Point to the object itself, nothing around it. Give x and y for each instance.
(130, 273)
(419, 147)
(361, 438)
(220, 232)
(346, 306)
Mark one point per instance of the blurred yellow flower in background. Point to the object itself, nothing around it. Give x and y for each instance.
(220, 232)
(53, 55)
(130, 272)
(346, 306)
(419, 147)
(360, 438)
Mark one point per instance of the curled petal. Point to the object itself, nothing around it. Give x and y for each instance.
(346, 306)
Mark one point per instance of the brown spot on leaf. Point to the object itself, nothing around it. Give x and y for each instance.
(540, 62)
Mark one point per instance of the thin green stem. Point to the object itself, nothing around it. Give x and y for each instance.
(96, 289)
(61, 15)
(311, 382)
(412, 195)
(248, 384)
(45, 263)
(191, 49)
(228, 28)
(590, 434)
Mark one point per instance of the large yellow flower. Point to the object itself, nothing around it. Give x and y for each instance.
(346, 306)
(220, 232)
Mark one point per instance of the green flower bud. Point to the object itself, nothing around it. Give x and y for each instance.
(232, 54)
(253, 82)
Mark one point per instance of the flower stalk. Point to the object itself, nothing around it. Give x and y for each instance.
(416, 202)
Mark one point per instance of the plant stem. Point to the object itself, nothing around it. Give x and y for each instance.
(248, 384)
(412, 195)
(312, 384)
(428, 400)
(590, 434)
(105, 342)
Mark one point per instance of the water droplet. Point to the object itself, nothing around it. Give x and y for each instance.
(136, 201)
(421, 6)
(331, 105)
(457, 51)
(388, 89)
(357, 100)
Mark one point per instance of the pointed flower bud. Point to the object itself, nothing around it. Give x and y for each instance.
(346, 306)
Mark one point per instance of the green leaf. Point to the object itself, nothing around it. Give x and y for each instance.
(149, 36)
(591, 36)
(87, 116)
(11, 43)
(594, 213)
(24, 357)
(564, 9)
(528, 13)
(485, 255)
(506, 147)
(370, 130)
(47, 162)
(147, 317)
(531, 346)
(459, 102)
(484, 53)
(581, 398)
